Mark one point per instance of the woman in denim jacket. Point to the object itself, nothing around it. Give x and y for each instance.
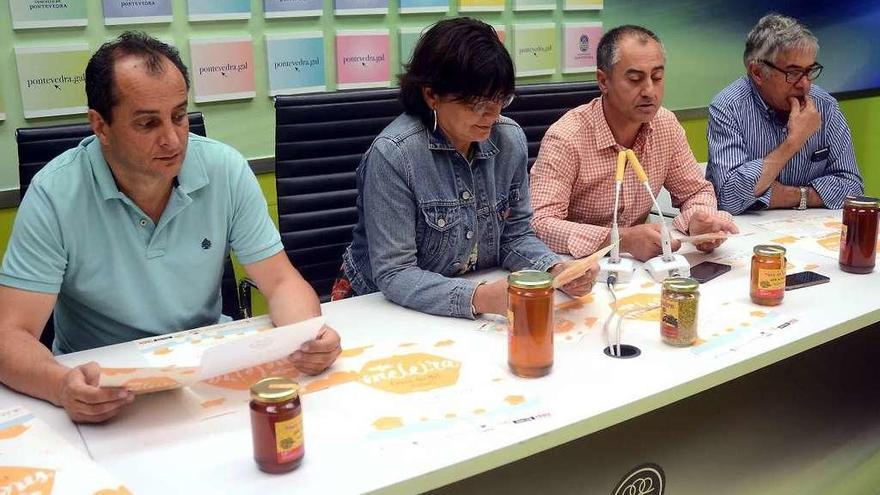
(444, 189)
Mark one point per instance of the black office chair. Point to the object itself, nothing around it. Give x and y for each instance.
(39, 145)
(319, 141)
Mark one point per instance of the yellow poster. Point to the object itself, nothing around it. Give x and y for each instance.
(481, 6)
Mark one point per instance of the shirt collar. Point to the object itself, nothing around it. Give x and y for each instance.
(437, 141)
(192, 177)
(604, 137)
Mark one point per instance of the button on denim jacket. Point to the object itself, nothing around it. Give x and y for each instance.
(422, 207)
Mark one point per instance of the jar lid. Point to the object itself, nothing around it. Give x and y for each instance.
(863, 201)
(530, 279)
(274, 389)
(683, 285)
(769, 250)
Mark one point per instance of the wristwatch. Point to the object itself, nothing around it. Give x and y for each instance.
(803, 204)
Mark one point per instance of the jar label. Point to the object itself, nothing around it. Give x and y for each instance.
(771, 282)
(289, 439)
(842, 238)
(670, 323)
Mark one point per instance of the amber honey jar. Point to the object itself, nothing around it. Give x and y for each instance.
(858, 235)
(768, 274)
(530, 323)
(276, 424)
(679, 300)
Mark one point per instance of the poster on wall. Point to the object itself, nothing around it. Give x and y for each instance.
(408, 37)
(218, 10)
(222, 69)
(422, 6)
(130, 12)
(360, 7)
(29, 14)
(481, 6)
(534, 51)
(579, 43)
(522, 5)
(501, 31)
(296, 63)
(52, 79)
(362, 59)
(292, 8)
(582, 4)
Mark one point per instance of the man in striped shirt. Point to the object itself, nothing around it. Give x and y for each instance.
(775, 139)
(572, 182)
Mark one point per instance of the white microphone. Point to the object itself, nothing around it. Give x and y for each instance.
(668, 264)
(615, 269)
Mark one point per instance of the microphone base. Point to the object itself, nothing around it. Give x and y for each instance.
(624, 270)
(660, 269)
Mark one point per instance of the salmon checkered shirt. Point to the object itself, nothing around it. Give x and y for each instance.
(572, 182)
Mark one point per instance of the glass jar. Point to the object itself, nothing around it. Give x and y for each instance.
(679, 301)
(276, 424)
(530, 323)
(858, 235)
(768, 274)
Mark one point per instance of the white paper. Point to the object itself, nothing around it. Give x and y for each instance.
(258, 348)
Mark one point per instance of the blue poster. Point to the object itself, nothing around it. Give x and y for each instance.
(292, 8)
(218, 10)
(296, 63)
(128, 12)
(359, 7)
(419, 6)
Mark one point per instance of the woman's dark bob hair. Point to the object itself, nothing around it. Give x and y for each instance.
(462, 58)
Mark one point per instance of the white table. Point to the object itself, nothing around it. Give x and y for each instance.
(155, 449)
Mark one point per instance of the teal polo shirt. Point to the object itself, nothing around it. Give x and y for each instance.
(118, 275)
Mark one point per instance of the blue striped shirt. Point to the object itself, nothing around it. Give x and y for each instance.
(743, 130)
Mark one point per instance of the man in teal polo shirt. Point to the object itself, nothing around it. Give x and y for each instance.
(125, 236)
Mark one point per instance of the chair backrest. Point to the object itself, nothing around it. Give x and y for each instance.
(319, 141)
(39, 145)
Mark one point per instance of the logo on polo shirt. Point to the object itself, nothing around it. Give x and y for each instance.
(206, 243)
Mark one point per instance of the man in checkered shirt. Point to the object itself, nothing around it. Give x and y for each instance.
(572, 182)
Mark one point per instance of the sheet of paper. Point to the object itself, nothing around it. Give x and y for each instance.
(579, 267)
(149, 379)
(35, 459)
(258, 348)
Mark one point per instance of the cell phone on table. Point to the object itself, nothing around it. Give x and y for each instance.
(707, 270)
(804, 279)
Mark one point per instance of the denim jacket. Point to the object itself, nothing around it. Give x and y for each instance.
(422, 207)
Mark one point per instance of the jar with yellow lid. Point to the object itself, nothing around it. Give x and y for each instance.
(276, 424)
(768, 275)
(679, 303)
(530, 323)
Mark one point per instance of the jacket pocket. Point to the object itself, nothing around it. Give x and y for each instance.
(438, 234)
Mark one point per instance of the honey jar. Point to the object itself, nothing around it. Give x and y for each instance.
(276, 424)
(768, 274)
(679, 300)
(530, 323)
(858, 234)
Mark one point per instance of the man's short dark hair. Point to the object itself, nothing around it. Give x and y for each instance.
(460, 57)
(100, 80)
(608, 53)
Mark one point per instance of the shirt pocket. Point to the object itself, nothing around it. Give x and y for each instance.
(438, 232)
(503, 204)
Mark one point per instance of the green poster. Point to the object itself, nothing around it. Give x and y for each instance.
(51, 79)
(534, 52)
(408, 39)
(521, 5)
(28, 14)
(582, 4)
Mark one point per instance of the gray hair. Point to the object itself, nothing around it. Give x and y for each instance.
(608, 51)
(774, 34)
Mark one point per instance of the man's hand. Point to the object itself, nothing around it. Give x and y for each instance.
(643, 241)
(85, 401)
(702, 222)
(580, 286)
(804, 120)
(317, 355)
(491, 298)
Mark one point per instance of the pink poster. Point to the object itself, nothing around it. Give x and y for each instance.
(362, 59)
(579, 46)
(222, 69)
